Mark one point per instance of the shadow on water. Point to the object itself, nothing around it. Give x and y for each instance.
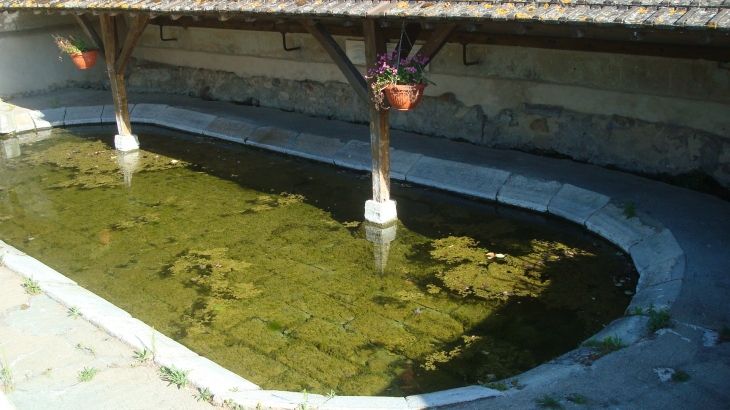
(451, 295)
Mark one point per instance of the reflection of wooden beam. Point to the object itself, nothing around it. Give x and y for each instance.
(133, 35)
(437, 40)
(339, 57)
(91, 33)
(119, 92)
(375, 45)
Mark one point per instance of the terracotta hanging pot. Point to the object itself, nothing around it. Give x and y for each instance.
(85, 60)
(404, 97)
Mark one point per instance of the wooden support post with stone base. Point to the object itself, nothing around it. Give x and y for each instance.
(116, 62)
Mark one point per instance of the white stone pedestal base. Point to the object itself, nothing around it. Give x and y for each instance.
(126, 142)
(7, 119)
(380, 212)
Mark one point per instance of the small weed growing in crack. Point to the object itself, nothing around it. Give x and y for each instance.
(608, 345)
(629, 209)
(577, 398)
(724, 335)
(659, 319)
(203, 395)
(331, 394)
(143, 356)
(74, 312)
(175, 376)
(87, 374)
(84, 348)
(6, 375)
(515, 384)
(548, 402)
(31, 286)
(305, 397)
(680, 376)
(47, 371)
(233, 389)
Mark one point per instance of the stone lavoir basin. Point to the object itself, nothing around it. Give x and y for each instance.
(262, 264)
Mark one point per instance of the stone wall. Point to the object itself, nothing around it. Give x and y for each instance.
(642, 114)
(29, 58)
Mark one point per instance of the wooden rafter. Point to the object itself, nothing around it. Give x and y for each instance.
(437, 40)
(91, 33)
(135, 32)
(324, 38)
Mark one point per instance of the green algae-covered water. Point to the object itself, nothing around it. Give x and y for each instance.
(262, 264)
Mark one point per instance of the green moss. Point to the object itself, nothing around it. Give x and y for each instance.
(250, 263)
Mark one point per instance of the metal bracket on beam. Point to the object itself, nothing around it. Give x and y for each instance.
(463, 56)
(283, 40)
(165, 39)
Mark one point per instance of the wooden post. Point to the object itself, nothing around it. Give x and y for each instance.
(116, 61)
(375, 44)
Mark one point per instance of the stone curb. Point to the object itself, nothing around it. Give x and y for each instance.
(109, 116)
(611, 223)
(656, 253)
(576, 204)
(528, 193)
(4, 403)
(458, 177)
(628, 330)
(83, 115)
(24, 123)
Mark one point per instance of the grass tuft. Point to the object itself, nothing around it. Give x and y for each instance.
(74, 312)
(87, 374)
(31, 286)
(203, 395)
(659, 319)
(680, 376)
(175, 376)
(548, 402)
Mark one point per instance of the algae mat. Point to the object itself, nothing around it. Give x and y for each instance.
(262, 263)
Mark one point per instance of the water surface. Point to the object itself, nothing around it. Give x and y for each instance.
(262, 263)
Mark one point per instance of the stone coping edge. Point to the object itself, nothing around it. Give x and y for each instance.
(658, 257)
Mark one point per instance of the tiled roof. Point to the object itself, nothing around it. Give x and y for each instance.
(690, 14)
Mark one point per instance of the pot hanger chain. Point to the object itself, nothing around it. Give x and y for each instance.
(400, 43)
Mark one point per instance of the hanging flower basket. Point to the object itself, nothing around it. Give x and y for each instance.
(82, 53)
(404, 97)
(85, 59)
(399, 80)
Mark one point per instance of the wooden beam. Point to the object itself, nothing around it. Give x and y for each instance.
(375, 44)
(119, 92)
(133, 35)
(323, 37)
(554, 37)
(91, 33)
(437, 40)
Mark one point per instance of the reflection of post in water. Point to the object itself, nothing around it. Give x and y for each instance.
(381, 237)
(128, 163)
(9, 148)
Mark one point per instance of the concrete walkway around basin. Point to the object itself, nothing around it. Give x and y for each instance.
(680, 242)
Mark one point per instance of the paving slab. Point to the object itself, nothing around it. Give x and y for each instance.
(446, 397)
(184, 120)
(314, 147)
(357, 155)
(24, 123)
(611, 223)
(458, 177)
(146, 113)
(230, 129)
(272, 138)
(654, 249)
(365, 403)
(528, 193)
(109, 116)
(48, 118)
(83, 115)
(576, 204)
